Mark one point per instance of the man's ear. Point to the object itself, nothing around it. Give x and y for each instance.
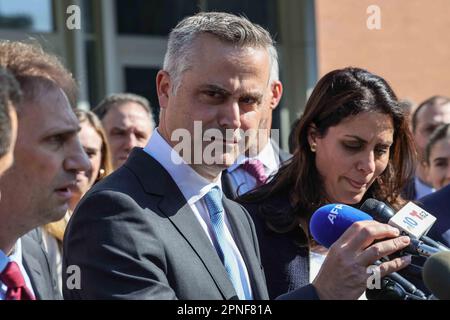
(277, 91)
(163, 87)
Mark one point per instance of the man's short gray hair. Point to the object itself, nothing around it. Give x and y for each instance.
(227, 27)
(117, 99)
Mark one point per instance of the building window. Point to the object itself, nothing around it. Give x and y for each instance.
(30, 15)
(141, 80)
(152, 17)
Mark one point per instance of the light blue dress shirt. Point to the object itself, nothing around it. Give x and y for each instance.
(15, 256)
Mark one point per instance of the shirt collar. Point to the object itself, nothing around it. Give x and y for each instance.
(267, 156)
(16, 256)
(192, 185)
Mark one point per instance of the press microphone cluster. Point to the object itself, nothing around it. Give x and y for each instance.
(328, 224)
(412, 220)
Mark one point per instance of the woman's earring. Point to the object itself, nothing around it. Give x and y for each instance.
(101, 173)
(313, 147)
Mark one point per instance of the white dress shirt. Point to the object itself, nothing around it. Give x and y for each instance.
(193, 187)
(242, 180)
(15, 256)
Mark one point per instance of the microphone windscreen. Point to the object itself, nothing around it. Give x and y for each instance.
(329, 222)
(378, 210)
(436, 275)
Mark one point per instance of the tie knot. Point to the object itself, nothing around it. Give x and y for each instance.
(12, 276)
(255, 168)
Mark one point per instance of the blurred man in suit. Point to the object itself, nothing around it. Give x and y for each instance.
(160, 227)
(263, 156)
(128, 122)
(47, 156)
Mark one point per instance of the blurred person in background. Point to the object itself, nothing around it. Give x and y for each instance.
(437, 157)
(426, 118)
(264, 155)
(128, 122)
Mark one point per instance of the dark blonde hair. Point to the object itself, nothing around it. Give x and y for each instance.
(339, 94)
(94, 122)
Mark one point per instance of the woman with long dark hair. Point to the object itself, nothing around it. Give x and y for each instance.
(351, 143)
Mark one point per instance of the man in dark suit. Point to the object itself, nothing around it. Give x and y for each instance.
(264, 156)
(438, 204)
(159, 227)
(47, 156)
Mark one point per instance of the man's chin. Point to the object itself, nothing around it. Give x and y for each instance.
(58, 213)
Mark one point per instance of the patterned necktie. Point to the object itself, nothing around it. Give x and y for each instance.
(13, 279)
(213, 200)
(255, 168)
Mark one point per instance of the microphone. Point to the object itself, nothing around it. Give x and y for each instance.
(328, 224)
(383, 213)
(436, 275)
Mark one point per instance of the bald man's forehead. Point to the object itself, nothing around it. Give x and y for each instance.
(126, 115)
(435, 113)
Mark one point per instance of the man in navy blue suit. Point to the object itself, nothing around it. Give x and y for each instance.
(438, 204)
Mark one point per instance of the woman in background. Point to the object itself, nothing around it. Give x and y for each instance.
(437, 157)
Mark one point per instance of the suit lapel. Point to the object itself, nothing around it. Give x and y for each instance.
(183, 218)
(227, 185)
(246, 247)
(34, 271)
(174, 206)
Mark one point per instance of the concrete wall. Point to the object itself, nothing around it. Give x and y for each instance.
(411, 50)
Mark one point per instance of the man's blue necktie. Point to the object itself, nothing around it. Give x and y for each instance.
(213, 200)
